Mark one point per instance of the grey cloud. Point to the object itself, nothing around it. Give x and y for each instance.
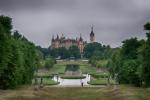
(113, 20)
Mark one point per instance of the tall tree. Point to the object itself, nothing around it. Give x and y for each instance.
(129, 48)
(18, 57)
(6, 22)
(91, 49)
(146, 58)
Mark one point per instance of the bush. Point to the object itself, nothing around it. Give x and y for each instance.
(73, 77)
(49, 63)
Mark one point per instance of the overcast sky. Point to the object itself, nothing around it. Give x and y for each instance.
(113, 20)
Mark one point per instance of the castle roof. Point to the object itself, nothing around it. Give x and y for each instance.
(53, 38)
(57, 38)
(80, 39)
(92, 33)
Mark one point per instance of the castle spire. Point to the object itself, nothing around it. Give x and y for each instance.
(92, 28)
(57, 37)
(52, 38)
(92, 35)
(81, 37)
(62, 36)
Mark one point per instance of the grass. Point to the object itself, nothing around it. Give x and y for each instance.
(79, 62)
(102, 81)
(123, 92)
(98, 75)
(57, 69)
(46, 81)
(102, 63)
(72, 67)
(49, 82)
(42, 73)
(85, 69)
(73, 77)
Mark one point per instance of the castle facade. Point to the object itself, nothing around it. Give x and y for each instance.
(62, 41)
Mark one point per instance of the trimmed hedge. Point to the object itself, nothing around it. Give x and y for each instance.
(73, 77)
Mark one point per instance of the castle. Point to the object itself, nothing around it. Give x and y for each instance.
(67, 42)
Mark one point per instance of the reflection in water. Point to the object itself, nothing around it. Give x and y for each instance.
(77, 82)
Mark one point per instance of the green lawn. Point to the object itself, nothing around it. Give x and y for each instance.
(102, 63)
(102, 81)
(46, 81)
(86, 69)
(98, 75)
(123, 92)
(59, 68)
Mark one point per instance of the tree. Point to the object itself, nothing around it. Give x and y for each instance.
(128, 73)
(124, 63)
(45, 51)
(145, 53)
(49, 62)
(129, 48)
(63, 53)
(74, 52)
(147, 26)
(5, 52)
(114, 63)
(18, 57)
(6, 22)
(91, 48)
(16, 35)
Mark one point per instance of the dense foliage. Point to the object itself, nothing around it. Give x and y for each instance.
(45, 51)
(130, 64)
(98, 54)
(64, 53)
(18, 57)
(49, 62)
(145, 58)
(93, 49)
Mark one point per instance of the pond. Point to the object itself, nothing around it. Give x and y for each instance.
(72, 82)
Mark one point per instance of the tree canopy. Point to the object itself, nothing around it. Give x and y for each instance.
(18, 57)
(131, 62)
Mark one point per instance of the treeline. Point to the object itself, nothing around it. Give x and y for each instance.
(98, 54)
(91, 51)
(61, 53)
(131, 63)
(19, 58)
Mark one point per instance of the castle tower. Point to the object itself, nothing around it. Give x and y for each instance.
(53, 38)
(62, 36)
(57, 38)
(92, 35)
(57, 42)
